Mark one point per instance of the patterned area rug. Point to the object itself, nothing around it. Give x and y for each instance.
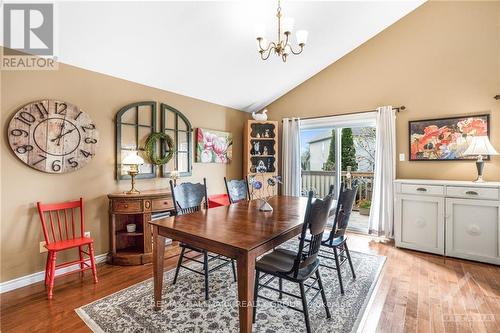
(185, 309)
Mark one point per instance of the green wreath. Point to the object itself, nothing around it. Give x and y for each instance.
(151, 142)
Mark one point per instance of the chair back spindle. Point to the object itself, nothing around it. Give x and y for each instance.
(58, 220)
(237, 190)
(189, 197)
(315, 220)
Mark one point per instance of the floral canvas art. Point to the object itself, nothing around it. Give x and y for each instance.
(445, 139)
(213, 146)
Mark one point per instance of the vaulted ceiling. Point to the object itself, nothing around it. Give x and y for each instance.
(207, 50)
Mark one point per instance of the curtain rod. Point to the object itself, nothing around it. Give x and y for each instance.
(398, 109)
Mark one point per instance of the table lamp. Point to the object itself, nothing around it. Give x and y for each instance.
(480, 145)
(133, 161)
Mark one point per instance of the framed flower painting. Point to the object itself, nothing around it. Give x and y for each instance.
(213, 146)
(445, 139)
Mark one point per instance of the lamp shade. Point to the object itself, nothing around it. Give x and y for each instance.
(287, 24)
(132, 159)
(480, 145)
(260, 30)
(301, 37)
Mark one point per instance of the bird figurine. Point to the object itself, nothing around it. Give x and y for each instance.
(260, 116)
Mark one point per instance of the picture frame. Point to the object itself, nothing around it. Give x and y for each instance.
(213, 146)
(445, 139)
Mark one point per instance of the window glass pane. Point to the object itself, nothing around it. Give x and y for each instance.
(182, 125)
(170, 166)
(182, 141)
(169, 119)
(171, 133)
(129, 116)
(128, 137)
(182, 162)
(144, 133)
(145, 115)
(146, 168)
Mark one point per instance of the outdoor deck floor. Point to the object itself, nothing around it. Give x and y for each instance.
(358, 222)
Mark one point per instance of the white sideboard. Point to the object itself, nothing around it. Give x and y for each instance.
(454, 218)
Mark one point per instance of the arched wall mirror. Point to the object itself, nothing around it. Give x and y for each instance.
(175, 124)
(134, 123)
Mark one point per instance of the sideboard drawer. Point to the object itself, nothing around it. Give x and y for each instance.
(127, 206)
(422, 189)
(162, 204)
(473, 192)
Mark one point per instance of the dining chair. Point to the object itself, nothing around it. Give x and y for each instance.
(237, 190)
(189, 198)
(63, 226)
(297, 266)
(336, 241)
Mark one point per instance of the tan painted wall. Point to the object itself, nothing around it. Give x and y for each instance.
(101, 96)
(441, 60)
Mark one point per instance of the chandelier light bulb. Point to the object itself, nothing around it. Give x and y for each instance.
(302, 37)
(260, 30)
(287, 24)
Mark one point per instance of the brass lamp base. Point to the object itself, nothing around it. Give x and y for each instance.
(133, 190)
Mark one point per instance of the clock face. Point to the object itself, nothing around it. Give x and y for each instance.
(53, 136)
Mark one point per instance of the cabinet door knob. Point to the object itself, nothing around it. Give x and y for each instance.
(126, 206)
(471, 193)
(421, 189)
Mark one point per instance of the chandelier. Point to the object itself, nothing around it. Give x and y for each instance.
(282, 47)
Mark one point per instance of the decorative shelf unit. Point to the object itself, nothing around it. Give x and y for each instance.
(261, 148)
(135, 248)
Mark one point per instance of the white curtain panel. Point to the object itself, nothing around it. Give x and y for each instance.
(381, 221)
(291, 156)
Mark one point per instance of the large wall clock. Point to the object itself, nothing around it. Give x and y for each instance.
(53, 136)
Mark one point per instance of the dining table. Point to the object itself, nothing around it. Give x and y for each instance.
(239, 231)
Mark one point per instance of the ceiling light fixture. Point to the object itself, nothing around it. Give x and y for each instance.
(282, 46)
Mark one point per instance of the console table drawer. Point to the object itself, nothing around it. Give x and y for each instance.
(422, 189)
(127, 206)
(162, 204)
(472, 192)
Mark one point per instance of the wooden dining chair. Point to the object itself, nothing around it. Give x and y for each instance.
(298, 266)
(335, 243)
(189, 198)
(63, 226)
(237, 190)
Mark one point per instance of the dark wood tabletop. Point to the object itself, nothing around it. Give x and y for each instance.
(238, 231)
(240, 225)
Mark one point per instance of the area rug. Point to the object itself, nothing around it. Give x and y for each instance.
(185, 309)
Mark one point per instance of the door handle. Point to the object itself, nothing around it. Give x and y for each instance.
(421, 189)
(471, 193)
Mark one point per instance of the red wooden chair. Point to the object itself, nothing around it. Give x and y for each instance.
(62, 231)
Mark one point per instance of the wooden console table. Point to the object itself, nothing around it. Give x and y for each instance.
(135, 248)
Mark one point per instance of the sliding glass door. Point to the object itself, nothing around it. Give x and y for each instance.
(344, 143)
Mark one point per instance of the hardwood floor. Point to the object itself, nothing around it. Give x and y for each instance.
(417, 293)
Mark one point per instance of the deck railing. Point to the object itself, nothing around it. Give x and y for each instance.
(319, 182)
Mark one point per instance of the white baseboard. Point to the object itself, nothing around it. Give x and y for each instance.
(40, 276)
